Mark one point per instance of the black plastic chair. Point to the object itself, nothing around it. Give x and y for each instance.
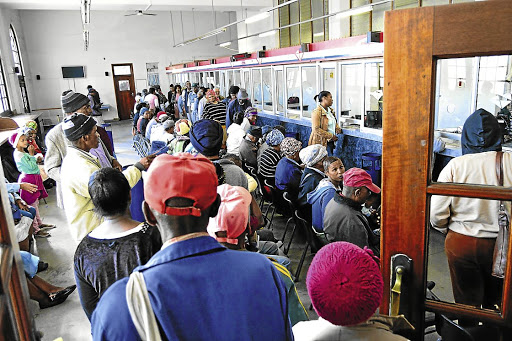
(291, 208)
(272, 204)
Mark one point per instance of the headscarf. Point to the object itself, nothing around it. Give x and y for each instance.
(251, 112)
(313, 154)
(182, 127)
(274, 138)
(206, 137)
(213, 94)
(290, 146)
(481, 133)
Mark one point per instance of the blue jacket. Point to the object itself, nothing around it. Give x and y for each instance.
(288, 174)
(234, 107)
(199, 290)
(310, 179)
(319, 199)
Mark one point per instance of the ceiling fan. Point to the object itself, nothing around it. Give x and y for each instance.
(139, 13)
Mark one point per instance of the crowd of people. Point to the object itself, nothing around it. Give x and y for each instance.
(202, 265)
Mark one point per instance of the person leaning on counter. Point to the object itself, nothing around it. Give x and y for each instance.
(324, 127)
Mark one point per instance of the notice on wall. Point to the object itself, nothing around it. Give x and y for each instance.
(152, 72)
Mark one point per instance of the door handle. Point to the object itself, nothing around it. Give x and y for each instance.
(401, 269)
(396, 291)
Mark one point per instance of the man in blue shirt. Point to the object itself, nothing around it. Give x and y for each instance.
(241, 103)
(198, 289)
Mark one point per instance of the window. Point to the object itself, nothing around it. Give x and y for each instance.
(374, 84)
(4, 98)
(256, 86)
(293, 88)
(280, 91)
(492, 83)
(351, 90)
(266, 75)
(329, 84)
(309, 90)
(19, 65)
(237, 78)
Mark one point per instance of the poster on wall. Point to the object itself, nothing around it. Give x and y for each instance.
(152, 72)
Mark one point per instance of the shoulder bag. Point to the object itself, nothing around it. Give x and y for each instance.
(499, 264)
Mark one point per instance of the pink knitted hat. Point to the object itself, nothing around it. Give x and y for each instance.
(344, 283)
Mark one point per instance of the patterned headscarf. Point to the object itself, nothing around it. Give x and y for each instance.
(251, 112)
(31, 124)
(290, 146)
(182, 127)
(213, 94)
(313, 154)
(274, 138)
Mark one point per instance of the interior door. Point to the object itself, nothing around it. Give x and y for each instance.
(124, 85)
(415, 40)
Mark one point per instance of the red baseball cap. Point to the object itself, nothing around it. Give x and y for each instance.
(181, 176)
(160, 113)
(357, 177)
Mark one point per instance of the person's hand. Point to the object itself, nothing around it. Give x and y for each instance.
(21, 205)
(31, 188)
(334, 138)
(146, 161)
(31, 150)
(117, 165)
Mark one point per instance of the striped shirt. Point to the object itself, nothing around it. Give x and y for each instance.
(215, 112)
(268, 163)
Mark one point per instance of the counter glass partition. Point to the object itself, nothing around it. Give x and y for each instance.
(309, 90)
(293, 92)
(352, 82)
(280, 91)
(256, 86)
(373, 98)
(266, 78)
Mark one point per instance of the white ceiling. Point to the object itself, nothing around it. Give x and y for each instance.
(132, 5)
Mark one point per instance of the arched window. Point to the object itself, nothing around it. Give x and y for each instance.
(4, 98)
(18, 66)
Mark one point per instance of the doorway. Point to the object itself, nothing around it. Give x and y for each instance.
(124, 85)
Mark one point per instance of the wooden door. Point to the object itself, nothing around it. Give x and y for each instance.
(16, 322)
(415, 39)
(124, 85)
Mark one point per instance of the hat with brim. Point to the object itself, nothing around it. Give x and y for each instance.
(357, 177)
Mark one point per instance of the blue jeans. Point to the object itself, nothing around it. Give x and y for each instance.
(31, 212)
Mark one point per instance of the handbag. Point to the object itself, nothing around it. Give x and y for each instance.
(499, 264)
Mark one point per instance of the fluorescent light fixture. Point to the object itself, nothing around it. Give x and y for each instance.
(85, 10)
(225, 44)
(266, 34)
(204, 36)
(355, 11)
(257, 17)
(319, 34)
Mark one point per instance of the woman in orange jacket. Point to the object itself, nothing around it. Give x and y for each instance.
(324, 127)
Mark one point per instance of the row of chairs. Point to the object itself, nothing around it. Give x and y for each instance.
(278, 201)
(141, 145)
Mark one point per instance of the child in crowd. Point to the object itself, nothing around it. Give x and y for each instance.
(30, 132)
(27, 165)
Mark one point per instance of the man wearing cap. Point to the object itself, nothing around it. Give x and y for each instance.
(241, 103)
(57, 144)
(77, 168)
(343, 220)
(196, 288)
(249, 146)
(152, 123)
(163, 132)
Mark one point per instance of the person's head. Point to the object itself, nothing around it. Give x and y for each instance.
(242, 96)
(274, 139)
(290, 148)
(160, 114)
(182, 127)
(110, 192)
(231, 223)
(19, 139)
(217, 91)
(30, 133)
(251, 114)
(344, 283)
(148, 114)
(75, 102)
(206, 137)
(180, 194)
(163, 118)
(358, 185)
(481, 133)
(89, 87)
(334, 169)
(152, 90)
(196, 89)
(313, 156)
(280, 128)
(188, 85)
(324, 98)
(211, 96)
(31, 124)
(254, 133)
(81, 131)
(238, 117)
(178, 88)
(233, 158)
(144, 92)
(168, 126)
(233, 91)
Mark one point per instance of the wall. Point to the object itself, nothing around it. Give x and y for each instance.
(54, 39)
(12, 17)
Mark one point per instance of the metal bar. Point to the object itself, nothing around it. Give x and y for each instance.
(470, 191)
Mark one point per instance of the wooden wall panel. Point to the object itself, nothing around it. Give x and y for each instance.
(408, 70)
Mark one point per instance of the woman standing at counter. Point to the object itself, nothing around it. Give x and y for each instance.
(324, 127)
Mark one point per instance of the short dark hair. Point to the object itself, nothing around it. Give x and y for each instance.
(151, 90)
(233, 158)
(89, 87)
(233, 89)
(280, 128)
(238, 117)
(109, 191)
(329, 161)
(321, 95)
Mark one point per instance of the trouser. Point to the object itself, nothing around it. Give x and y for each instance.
(470, 261)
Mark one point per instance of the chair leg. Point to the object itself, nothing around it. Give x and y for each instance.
(299, 266)
(272, 217)
(286, 228)
(291, 238)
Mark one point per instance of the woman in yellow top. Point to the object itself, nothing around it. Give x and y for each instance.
(324, 127)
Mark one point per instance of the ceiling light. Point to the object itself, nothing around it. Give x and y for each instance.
(355, 11)
(266, 34)
(225, 44)
(257, 17)
(319, 34)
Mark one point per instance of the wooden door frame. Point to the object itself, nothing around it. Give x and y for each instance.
(414, 40)
(132, 83)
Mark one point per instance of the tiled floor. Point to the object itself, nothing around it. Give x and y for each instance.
(69, 321)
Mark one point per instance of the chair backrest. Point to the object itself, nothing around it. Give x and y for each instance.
(450, 330)
(265, 189)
